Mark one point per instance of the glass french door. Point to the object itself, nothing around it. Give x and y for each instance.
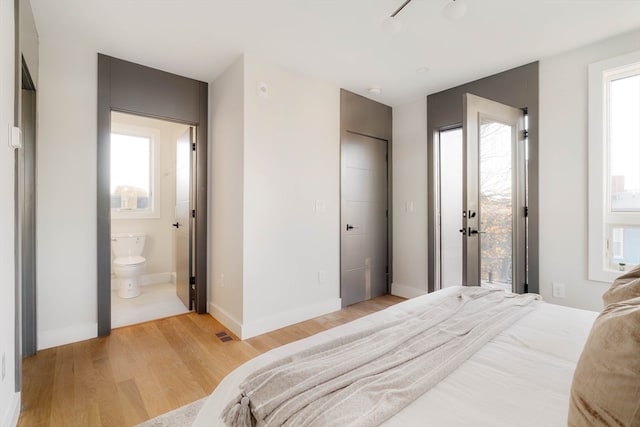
(494, 195)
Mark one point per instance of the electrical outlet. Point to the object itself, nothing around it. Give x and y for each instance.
(322, 276)
(558, 290)
(4, 366)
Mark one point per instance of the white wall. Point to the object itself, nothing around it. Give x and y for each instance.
(159, 241)
(9, 399)
(66, 200)
(410, 172)
(275, 197)
(563, 171)
(226, 183)
(291, 198)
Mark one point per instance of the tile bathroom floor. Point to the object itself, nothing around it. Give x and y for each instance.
(154, 302)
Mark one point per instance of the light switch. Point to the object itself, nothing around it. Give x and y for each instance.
(408, 206)
(15, 137)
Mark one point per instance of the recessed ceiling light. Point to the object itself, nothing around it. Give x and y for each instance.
(374, 90)
(423, 70)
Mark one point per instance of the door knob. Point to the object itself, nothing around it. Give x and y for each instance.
(350, 227)
(176, 225)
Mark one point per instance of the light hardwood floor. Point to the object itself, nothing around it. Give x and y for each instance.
(142, 371)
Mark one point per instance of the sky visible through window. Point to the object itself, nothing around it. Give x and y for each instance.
(130, 161)
(624, 140)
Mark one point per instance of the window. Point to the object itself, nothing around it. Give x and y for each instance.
(133, 172)
(614, 175)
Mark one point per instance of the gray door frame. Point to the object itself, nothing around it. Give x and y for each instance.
(363, 116)
(26, 206)
(518, 87)
(132, 88)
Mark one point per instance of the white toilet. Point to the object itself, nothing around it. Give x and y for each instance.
(128, 264)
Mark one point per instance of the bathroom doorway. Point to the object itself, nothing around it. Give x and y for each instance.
(148, 193)
(133, 88)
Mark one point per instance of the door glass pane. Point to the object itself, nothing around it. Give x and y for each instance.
(624, 144)
(496, 206)
(451, 207)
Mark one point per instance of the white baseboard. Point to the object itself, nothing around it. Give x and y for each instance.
(277, 321)
(406, 291)
(280, 320)
(226, 319)
(150, 279)
(10, 418)
(75, 333)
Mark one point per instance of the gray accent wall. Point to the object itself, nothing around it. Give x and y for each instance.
(136, 89)
(518, 88)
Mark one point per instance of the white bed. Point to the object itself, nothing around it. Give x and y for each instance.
(521, 377)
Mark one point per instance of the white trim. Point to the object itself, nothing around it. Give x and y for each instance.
(598, 181)
(10, 418)
(70, 334)
(226, 319)
(280, 320)
(406, 291)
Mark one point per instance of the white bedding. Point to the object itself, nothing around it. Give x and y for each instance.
(520, 378)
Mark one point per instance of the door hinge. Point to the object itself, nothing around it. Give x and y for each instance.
(526, 211)
(193, 146)
(192, 280)
(386, 269)
(386, 213)
(526, 288)
(386, 157)
(193, 213)
(525, 133)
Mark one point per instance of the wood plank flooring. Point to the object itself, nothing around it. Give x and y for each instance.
(142, 371)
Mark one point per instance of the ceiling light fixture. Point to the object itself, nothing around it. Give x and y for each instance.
(375, 90)
(393, 24)
(454, 10)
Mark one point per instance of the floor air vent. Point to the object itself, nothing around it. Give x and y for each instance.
(224, 337)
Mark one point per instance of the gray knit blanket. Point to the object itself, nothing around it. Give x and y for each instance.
(365, 378)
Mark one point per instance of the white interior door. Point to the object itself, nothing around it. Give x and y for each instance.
(494, 215)
(183, 225)
(364, 270)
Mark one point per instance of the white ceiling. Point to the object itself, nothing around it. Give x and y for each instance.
(339, 41)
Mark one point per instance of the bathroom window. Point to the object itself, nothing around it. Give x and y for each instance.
(133, 177)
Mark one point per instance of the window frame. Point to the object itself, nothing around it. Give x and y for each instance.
(153, 134)
(601, 218)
